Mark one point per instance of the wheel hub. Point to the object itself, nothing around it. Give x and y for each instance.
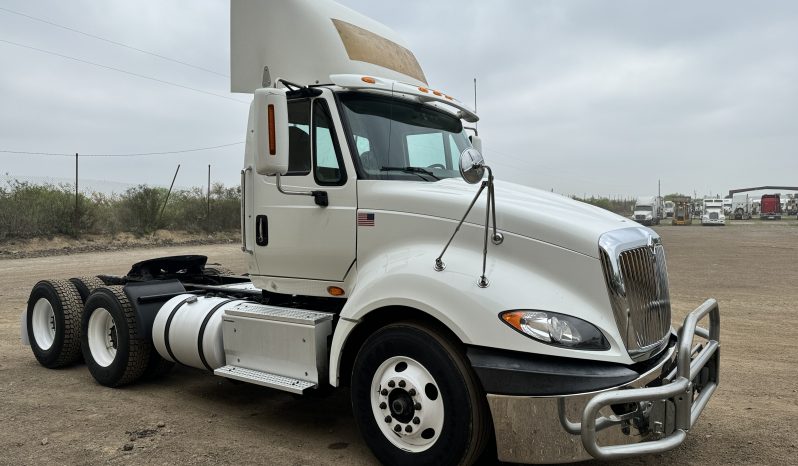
(406, 404)
(43, 323)
(401, 405)
(102, 337)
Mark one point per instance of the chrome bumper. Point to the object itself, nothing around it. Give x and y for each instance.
(649, 415)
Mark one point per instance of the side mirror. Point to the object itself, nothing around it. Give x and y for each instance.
(476, 142)
(472, 166)
(271, 131)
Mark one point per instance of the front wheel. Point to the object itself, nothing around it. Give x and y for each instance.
(416, 400)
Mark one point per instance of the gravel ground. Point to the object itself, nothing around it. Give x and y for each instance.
(63, 416)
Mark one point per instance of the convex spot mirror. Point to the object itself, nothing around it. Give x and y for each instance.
(270, 131)
(472, 166)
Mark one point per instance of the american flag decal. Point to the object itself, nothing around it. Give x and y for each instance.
(365, 220)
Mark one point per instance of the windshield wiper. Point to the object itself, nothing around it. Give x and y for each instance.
(415, 170)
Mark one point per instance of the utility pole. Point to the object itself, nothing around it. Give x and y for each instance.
(77, 214)
(476, 125)
(208, 216)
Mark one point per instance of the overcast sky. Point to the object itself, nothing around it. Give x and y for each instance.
(595, 97)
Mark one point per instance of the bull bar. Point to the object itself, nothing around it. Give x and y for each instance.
(689, 398)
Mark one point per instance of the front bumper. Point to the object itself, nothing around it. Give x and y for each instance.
(713, 221)
(650, 414)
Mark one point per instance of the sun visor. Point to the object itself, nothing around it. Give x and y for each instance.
(306, 41)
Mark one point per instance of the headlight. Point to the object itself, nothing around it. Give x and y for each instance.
(556, 329)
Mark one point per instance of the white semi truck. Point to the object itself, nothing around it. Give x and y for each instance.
(669, 205)
(460, 311)
(742, 207)
(649, 210)
(713, 212)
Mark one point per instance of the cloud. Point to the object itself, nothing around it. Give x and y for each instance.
(577, 96)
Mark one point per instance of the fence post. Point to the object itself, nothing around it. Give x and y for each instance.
(77, 197)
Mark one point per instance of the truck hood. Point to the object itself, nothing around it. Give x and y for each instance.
(521, 210)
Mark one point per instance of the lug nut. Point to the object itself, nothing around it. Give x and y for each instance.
(416, 420)
(388, 419)
(402, 383)
(384, 392)
(383, 405)
(391, 383)
(408, 429)
(417, 406)
(397, 428)
(412, 392)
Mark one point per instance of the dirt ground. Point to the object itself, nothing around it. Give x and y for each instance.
(189, 417)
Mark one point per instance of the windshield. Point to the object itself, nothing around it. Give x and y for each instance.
(398, 139)
(643, 208)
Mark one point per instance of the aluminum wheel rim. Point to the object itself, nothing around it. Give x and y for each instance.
(43, 323)
(396, 381)
(102, 337)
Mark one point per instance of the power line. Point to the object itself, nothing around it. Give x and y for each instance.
(119, 70)
(137, 154)
(120, 44)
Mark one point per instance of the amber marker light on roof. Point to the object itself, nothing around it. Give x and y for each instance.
(368, 79)
(438, 93)
(423, 89)
(335, 291)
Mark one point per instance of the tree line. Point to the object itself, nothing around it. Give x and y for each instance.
(33, 210)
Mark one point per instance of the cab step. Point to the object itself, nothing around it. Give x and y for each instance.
(264, 378)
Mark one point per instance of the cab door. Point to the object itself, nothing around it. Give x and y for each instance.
(294, 236)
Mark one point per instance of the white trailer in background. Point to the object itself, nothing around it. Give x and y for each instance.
(460, 327)
(713, 212)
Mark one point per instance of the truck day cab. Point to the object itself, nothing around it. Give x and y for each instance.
(770, 207)
(648, 210)
(713, 212)
(457, 321)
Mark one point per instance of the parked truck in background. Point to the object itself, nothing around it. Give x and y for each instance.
(770, 207)
(742, 207)
(669, 209)
(648, 210)
(791, 205)
(682, 211)
(456, 324)
(713, 212)
(727, 207)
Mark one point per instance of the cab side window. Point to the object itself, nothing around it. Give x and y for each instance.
(328, 167)
(298, 137)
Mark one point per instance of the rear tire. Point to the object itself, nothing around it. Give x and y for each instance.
(410, 377)
(85, 285)
(114, 351)
(53, 320)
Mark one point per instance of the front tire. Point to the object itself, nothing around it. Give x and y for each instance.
(416, 400)
(114, 352)
(53, 321)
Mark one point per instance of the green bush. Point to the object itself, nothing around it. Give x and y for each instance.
(28, 210)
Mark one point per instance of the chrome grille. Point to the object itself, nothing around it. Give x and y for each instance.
(637, 282)
(713, 215)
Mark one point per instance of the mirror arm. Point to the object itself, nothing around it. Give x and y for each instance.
(320, 197)
(472, 128)
(490, 211)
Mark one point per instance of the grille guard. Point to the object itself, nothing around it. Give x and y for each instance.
(679, 387)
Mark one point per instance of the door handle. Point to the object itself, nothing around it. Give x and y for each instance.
(262, 230)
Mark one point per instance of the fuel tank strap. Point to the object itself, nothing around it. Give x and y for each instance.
(201, 333)
(169, 326)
